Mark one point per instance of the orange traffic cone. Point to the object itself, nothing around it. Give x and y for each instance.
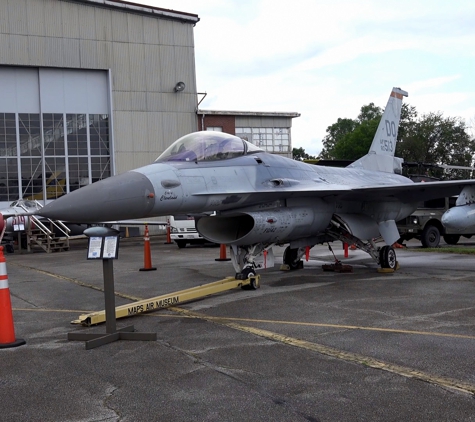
(147, 256)
(222, 254)
(7, 330)
(169, 237)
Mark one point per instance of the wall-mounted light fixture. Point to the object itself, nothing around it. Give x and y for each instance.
(180, 86)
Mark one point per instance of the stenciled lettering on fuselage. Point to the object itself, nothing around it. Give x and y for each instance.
(168, 196)
(163, 303)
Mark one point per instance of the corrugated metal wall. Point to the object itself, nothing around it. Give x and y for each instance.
(147, 57)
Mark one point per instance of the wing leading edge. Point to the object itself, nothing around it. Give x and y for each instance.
(406, 192)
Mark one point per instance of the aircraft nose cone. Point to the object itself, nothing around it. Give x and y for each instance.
(128, 195)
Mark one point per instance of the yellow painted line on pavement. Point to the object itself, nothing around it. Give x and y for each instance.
(314, 324)
(76, 281)
(349, 327)
(338, 354)
(303, 344)
(69, 311)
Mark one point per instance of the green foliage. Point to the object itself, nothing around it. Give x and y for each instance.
(433, 138)
(430, 138)
(335, 133)
(356, 144)
(342, 132)
(446, 249)
(300, 154)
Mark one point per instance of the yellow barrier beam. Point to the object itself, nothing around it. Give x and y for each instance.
(170, 299)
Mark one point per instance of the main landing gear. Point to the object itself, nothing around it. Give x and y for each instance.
(245, 264)
(387, 258)
(292, 257)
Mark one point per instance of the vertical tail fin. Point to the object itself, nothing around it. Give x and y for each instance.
(381, 153)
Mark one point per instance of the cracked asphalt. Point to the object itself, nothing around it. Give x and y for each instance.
(308, 345)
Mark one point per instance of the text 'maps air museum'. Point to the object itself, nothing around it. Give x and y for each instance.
(93, 88)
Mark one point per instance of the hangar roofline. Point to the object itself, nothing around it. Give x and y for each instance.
(249, 113)
(143, 9)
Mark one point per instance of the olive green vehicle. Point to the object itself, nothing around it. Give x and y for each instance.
(425, 224)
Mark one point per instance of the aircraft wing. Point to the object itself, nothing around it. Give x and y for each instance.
(411, 192)
(144, 222)
(406, 193)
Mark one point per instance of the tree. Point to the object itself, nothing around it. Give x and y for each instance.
(435, 139)
(430, 138)
(300, 154)
(357, 143)
(335, 134)
(340, 132)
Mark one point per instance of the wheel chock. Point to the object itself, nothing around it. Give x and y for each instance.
(286, 267)
(389, 270)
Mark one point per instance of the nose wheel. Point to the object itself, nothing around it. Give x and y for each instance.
(249, 273)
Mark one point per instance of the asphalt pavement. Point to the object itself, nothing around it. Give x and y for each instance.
(308, 345)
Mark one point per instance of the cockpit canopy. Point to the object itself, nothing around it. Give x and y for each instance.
(207, 146)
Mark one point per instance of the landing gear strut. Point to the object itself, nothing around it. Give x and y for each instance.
(292, 258)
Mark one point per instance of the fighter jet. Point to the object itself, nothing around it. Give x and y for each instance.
(262, 200)
(16, 217)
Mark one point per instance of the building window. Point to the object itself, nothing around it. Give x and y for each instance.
(8, 158)
(215, 128)
(45, 158)
(276, 140)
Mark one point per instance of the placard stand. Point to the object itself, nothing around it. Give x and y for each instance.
(104, 244)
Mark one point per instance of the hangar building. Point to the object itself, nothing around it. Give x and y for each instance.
(89, 89)
(92, 88)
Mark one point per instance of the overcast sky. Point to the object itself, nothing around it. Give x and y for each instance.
(326, 58)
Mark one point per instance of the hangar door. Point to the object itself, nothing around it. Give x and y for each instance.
(54, 131)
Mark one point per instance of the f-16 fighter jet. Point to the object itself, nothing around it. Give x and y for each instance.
(263, 199)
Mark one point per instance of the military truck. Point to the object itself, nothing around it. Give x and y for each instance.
(425, 224)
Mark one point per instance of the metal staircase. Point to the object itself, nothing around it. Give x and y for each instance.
(51, 236)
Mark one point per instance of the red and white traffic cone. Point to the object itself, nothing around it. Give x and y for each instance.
(147, 256)
(7, 330)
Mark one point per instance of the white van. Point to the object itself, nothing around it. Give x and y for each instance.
(183, 230)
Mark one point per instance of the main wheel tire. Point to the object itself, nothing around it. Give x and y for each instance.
(451, 239)
(290, 258)
(387, 257)
(430, 236)
(180, 243)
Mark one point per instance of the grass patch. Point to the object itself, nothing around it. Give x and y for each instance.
(446, 249)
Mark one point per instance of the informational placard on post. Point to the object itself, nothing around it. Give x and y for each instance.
(103, 247)
(110, 247)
